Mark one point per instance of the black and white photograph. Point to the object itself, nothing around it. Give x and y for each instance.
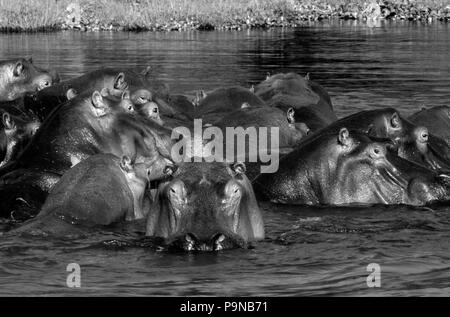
(244, 150)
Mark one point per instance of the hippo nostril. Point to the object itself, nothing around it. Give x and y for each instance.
(190, 242)
(217, 241)
(190, 238)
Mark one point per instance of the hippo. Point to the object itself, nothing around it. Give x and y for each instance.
(412, 142)
(99, 191)
(117, 81)
(347, 167)
(15, 133)
(183, 111)
(89, 124)
(183, 104)
(206, 207)
(435, 119)
(43, 102)
(150, 110)
(20, 76)
(289, 132)
(223, 100)
(310, 100)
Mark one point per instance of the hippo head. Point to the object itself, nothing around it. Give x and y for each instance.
(206, 207)
(413, 143)
(150, 110)
(103, 103)
(368, 172)
(424, 149)
(291, 87)
(20, 77)
(436, 119)
(15, 134)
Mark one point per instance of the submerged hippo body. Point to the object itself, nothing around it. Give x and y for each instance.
(413, 143)
(206, 206)
(345, 168)
(311, 101)
(436, 120)
(290, 132)
(287, 132)
(221, 101)
(183, 111)
(18, 77)
(87, 125)
(102, 190)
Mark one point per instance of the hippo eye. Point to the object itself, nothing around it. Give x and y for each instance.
(376, 152)
(424, 136)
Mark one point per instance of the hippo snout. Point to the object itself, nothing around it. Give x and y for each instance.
(216, 242)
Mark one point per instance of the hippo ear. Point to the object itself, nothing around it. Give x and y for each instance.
(18, 69)
(199, 95)
(97, 100)
(126, 94)
(252, 89)
(146, 71)
(125, 164)
(290, 115)
(238, 168)
(71, 93)
(344, 137)
(395, 120)
(307, 76)
(119, 81)
(267, 75)
(8, 122)
(30, 60)
(245, 105)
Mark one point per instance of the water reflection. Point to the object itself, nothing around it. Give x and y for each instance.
(402, 65)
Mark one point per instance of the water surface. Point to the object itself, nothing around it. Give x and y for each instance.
(308, 251)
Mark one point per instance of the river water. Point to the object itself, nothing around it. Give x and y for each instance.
(308, 251)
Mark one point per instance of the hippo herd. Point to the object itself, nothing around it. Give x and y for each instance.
(97, 150)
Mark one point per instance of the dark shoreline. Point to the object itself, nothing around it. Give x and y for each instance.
(207, 27)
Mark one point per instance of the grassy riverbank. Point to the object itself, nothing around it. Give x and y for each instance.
(162, 15)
